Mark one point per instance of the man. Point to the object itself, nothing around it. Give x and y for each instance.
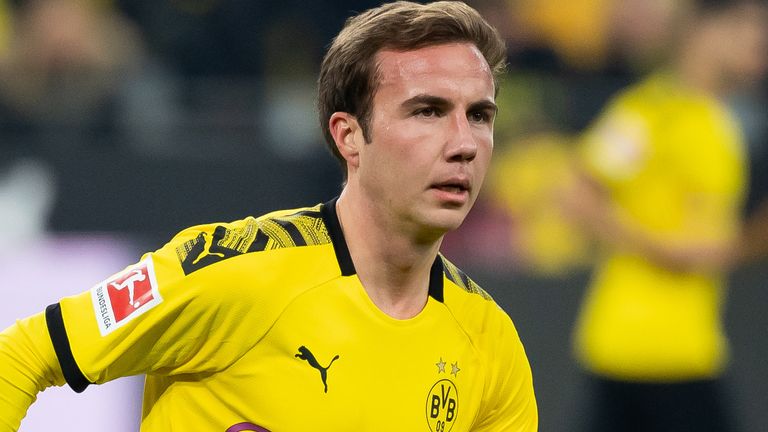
(341, 316)
(664, 178)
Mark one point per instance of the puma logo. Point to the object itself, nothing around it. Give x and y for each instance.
(306, 354)
(207, 251)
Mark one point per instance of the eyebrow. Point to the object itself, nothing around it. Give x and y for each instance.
(484, 105)
(425, 99)
(430, 100)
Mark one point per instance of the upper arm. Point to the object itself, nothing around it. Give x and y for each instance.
(155, 317)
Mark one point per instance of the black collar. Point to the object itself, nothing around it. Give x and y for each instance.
(347, 267)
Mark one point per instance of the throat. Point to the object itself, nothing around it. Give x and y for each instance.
(398, 305)
(393, 266)
(398, 287)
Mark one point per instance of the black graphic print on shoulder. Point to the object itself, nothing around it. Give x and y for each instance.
(455, 275)
(303, 228)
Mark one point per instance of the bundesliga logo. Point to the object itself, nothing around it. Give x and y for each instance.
(125, 296)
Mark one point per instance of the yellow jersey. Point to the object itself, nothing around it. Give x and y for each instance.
(262, 325)
(673, 163)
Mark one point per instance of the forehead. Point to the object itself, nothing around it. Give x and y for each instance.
(454, 64)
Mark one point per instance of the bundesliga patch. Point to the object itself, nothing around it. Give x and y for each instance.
(125, 296)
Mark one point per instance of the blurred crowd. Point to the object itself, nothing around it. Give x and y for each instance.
(148, 77)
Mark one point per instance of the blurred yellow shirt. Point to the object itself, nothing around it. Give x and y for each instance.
(674, 165)
(526, 181)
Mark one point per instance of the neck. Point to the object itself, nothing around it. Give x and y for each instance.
(392, 264)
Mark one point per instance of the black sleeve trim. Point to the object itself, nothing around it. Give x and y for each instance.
(58, 333)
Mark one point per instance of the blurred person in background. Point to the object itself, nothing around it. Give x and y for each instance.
(247, 65)
(568, 60)
(661, 184)
(62, 64)
(341, 316)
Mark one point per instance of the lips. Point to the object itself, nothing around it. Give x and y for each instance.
(456, 186)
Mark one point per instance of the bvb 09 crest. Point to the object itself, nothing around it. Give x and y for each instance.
(442, 406)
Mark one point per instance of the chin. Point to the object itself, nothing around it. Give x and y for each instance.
(446, 220)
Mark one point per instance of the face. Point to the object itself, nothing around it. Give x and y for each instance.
(431, 134)
(641, 29)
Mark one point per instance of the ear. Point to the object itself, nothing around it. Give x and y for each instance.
(348, 136)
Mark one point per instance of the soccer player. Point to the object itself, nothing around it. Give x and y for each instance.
(338, 317)
(664, 179)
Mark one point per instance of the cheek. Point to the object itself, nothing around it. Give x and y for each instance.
(484, 142)
(483, 158)
(409, 148)
(483, 165)
(391, 161)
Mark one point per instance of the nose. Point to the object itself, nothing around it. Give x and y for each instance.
(461, 143)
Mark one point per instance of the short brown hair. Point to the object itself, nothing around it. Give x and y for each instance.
(348, 75)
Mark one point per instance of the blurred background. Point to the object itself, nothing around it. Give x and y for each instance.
(124, 121)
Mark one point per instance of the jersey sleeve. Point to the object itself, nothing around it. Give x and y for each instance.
(511, 403)
(170, 313)
(617, 147)
(28, 366)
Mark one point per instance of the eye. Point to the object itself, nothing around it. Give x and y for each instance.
(480, 116)
(427, 112)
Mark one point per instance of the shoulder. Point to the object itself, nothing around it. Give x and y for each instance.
(459, 279)
(473, 308)
(492, 333)
(638, 105)
(204, 245)
(620, 143)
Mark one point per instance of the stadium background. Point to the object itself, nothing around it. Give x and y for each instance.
(124, 121)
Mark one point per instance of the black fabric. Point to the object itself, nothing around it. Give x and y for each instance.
(695, 406)
(347, 267)
(58, 333)
(436, 280)
(292, 231)
(331, 219)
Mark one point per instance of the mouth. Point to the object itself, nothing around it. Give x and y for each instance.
(452, 189)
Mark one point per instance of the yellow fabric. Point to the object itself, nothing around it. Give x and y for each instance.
(673, 163)
(576, 29)
(228, 342)
(27, 366)
(527, 180)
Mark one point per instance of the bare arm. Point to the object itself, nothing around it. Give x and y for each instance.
(28, 365)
